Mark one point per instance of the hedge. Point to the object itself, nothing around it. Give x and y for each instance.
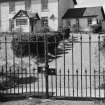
(24, 45)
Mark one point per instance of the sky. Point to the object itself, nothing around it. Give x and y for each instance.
(88, 3)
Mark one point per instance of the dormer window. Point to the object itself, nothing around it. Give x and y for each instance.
(20, 22)
(44, 4)
(11, 6)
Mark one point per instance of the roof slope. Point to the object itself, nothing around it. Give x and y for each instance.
(84, 12)
(28, 14)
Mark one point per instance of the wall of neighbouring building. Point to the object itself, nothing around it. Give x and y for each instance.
(81, 26)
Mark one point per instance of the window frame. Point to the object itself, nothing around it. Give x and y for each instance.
(44, 5)
(11, 6)
(44, 21)
(89, 21)
(68, 23)
(26, 20)
(27, 4)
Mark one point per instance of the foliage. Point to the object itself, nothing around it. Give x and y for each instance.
(34, 45)
(26, 44)
(96, 28)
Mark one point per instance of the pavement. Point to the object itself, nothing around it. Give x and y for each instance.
(34, 101)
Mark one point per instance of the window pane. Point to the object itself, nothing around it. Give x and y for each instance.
(89, 21)
(11, 6)
(44, 21)
(21, 22)
(27, 4)
(44, 4)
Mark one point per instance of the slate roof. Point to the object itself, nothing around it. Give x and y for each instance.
(28, 14)
(84, 12)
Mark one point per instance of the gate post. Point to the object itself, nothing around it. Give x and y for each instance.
(46, 63)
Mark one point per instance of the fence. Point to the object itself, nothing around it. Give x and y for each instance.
(52, 65)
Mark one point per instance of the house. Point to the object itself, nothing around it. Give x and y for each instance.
(26, 21)
(50, 12)
(84, 19)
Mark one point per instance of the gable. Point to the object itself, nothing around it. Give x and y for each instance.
(85, 12)
(21, 13)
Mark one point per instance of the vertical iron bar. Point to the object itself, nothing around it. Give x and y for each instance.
(29, 42)
(56, 62)
(6, 57)
(72, 65)
(2, 75)
(18, 78)
(38, 82)
(68, 82)
(22, 43)
(46, 63)
(90, 60)
(34, 80)
(64, 61)
(42, 82)
(95, 82)
(60, 81)
(86, 81)
(26, 79)
(77, 81)
(104, 81)
(37, 51)
(13, 56)
(81, 65)
(10, 77)
(99, 61)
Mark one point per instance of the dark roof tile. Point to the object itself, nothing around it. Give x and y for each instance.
(84, 12)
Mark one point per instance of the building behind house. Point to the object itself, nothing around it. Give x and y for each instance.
(84, 19)
(50, 12)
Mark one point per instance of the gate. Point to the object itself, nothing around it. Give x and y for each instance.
(53, 65)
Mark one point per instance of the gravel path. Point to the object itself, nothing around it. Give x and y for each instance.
(51, 102)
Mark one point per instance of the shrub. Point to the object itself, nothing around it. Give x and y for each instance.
(96, 28)
(23, 45)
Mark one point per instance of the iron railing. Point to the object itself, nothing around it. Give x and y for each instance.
(71, 67)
